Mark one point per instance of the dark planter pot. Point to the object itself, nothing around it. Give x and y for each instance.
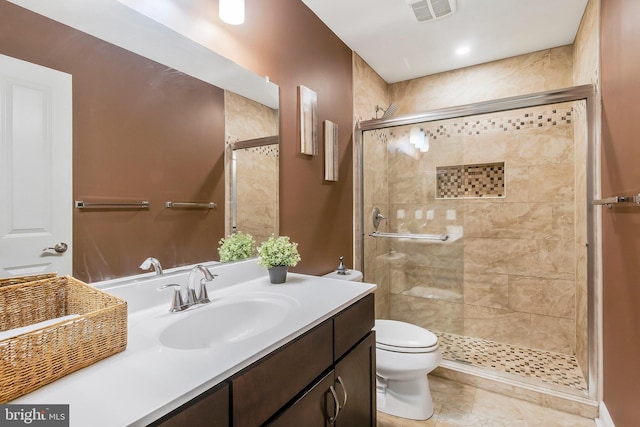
(278, 274)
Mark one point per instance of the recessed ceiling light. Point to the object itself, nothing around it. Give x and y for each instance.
(463, 50)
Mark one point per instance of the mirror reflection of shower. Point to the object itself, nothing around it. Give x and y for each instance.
(251, 165)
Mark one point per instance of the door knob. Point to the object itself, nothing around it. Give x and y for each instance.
(59, 248)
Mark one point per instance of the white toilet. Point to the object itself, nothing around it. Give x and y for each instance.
(405, 354)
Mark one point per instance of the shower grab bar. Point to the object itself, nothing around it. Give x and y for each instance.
(190, 205)
(441, 237)
(609, 202)
(112, 205)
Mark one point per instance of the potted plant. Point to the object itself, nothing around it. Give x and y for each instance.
(237, 246)
(277, 254)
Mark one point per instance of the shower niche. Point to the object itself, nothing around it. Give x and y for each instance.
(510, 295)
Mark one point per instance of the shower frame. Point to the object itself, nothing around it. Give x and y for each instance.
(585, 93)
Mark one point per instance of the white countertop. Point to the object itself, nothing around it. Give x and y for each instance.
(148, 379)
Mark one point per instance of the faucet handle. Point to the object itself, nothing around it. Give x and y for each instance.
(177, 304)
(203, 297)
(190, 298)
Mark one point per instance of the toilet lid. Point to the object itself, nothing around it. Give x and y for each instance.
(395, 334)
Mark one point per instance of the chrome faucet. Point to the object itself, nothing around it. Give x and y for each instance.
(183, 299)
(152, 262)
(202, 297)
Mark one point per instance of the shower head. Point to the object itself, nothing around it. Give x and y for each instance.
(389, 112)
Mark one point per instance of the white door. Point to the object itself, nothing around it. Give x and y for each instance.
(35, 169)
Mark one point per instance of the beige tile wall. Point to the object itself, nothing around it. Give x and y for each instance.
(585, 71)
(518, 279)
(371, 90)
(534, 72)
(512, 276)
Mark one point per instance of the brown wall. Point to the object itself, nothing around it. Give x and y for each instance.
(284, 40)
(141, 131)
(620, 37)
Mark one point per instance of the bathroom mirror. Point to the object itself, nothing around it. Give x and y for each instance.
(169, 39)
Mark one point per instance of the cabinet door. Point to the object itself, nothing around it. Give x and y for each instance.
(350, 325)
(210, 409)
(313, 409)
(265, 387)
(356, 380)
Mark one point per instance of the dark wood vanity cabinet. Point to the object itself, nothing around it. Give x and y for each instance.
(211, 408)
(350, 382)
(300, 383)
(357, 370)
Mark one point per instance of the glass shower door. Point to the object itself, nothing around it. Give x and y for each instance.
(506, 290)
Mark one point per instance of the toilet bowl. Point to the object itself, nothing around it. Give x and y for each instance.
(405, 354)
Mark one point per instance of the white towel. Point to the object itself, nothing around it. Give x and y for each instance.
(40, 325)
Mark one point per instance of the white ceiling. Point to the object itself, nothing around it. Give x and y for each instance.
(387, 36)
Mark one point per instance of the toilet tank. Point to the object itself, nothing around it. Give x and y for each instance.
(351, 275)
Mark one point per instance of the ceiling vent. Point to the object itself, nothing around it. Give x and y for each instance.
(430, 10)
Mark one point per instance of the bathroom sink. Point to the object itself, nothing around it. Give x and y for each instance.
(225, 322)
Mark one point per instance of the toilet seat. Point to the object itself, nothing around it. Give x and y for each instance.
(402, 337)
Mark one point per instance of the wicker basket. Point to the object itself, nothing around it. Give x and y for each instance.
(24, 279)
(36, 358)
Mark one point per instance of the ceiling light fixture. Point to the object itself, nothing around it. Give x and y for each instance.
(463, 50)
(232, 11)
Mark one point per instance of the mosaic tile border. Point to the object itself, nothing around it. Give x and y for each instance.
(470, 181)
(556, 369)
(525, 120)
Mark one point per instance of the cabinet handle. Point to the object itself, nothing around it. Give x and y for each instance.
(344, 390)
(332, 420)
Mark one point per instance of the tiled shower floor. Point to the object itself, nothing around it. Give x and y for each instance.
(550, 368)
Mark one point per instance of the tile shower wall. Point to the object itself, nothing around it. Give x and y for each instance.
(511, 276)
(377, 181)
(371, 90)
(586, 62)
(534, 72)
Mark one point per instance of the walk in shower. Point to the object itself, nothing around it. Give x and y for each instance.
(475, 224)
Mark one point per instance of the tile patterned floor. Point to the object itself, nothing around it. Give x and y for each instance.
(460, 405)
(558, 370)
